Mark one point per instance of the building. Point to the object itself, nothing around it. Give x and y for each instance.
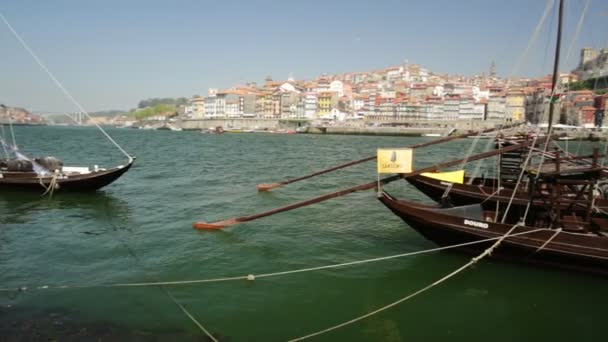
(451, 107)
(470, 110)
(496, 108)
(197, 107)
(593, 64)
(515, 106)
(233, 106)
(310, 105)
(325, 102)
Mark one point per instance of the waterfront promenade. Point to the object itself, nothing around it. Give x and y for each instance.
(351, 127)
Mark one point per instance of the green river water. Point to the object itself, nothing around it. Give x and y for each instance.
(138, 229)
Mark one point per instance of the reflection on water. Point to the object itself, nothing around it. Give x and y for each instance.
(17, 324)
(17, 208)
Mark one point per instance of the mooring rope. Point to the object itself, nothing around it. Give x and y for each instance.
(52, 185)
(490, 196)
(187, 313)
(557, 231)
(251, 277)
(473, 261)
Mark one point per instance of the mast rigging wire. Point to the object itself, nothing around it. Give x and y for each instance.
(56, 81)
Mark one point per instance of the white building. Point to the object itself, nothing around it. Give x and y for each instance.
(496, 108)
(337, 87)
(196, 107)
(310, 105)
(469, 110)
(358, 102)
(233, 106)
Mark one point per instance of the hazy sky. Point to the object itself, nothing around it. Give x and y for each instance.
(110, 54)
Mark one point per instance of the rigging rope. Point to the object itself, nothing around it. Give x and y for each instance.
(521, 174)
(63, 89)
(462, 165)
(10, 125)
(2, 143)
(577, 32)
(533, 38)
(480, 162)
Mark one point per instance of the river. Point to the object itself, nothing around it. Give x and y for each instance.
(139, 229)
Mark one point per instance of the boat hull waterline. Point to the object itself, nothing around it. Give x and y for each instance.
(575, 251)
(29, 181)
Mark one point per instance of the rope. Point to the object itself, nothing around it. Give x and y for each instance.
(187, 313)
(56, 81)
(473, 261)
(521, 174)
(10, 125)
(492, 195)
(273, 274)
(464, 162)
(2, 143)
(534, 37)
(52, 185)
(579, 26)
(557, 231)
(481, 161)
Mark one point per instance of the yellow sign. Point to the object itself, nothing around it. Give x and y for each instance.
(450, 176)
(395, 160)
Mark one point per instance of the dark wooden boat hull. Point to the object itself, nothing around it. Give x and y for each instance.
(29, 181)
(464, 194)
(581, 252)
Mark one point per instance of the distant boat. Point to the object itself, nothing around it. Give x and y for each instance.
(284, 131)
(213, 130)
(431, 135)
(169, 127)
(233, 130)
(302, 129)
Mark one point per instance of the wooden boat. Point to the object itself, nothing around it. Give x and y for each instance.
(68, 179)
(566, 222)
(579, 245)
(19, 172)
(485, 190)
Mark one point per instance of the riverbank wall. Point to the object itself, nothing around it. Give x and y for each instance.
(442, 128)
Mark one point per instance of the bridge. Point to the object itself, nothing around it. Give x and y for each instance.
(76, 118)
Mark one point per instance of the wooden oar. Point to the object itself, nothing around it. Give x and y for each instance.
(269, 186)
(366, 186)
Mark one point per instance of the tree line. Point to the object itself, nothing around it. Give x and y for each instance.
(151, 102)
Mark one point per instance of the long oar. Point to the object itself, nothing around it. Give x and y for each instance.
(366, 186)
(269, 186)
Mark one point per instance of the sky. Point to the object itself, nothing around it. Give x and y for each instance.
(111, 54)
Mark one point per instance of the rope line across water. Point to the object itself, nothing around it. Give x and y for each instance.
(267, 275)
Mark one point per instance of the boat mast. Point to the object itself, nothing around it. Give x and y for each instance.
(556, 64)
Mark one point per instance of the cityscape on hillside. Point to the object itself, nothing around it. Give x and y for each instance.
(407, 94)
(410, 92)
